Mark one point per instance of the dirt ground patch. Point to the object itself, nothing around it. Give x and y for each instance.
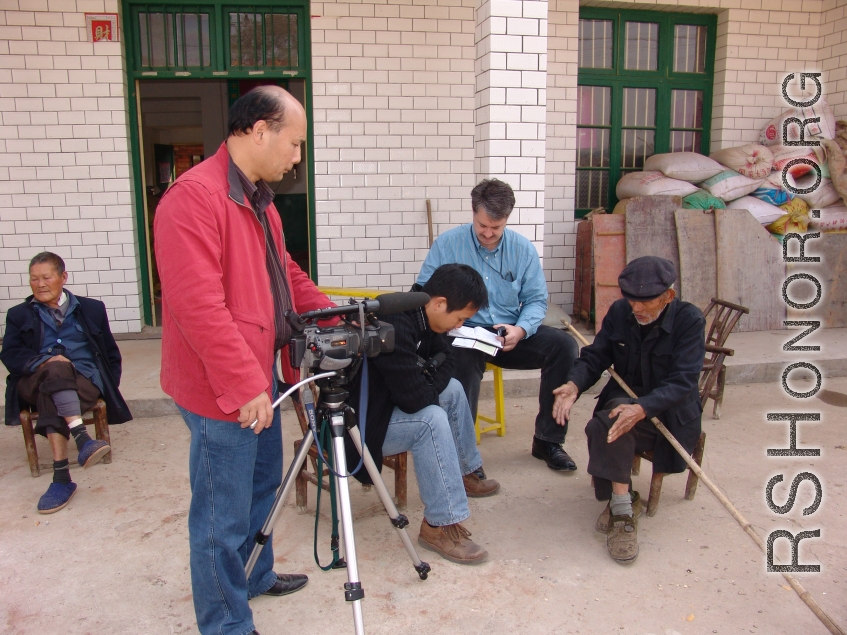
(116, 559)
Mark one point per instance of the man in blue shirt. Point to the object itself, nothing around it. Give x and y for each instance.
(517, 303)
(61, 358)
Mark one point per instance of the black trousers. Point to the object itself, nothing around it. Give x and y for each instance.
(551, 350)
(612, 462)
(51, 377)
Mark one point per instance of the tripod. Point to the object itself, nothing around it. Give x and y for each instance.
(333, 408)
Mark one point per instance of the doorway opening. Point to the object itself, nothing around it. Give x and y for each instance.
(183, 122)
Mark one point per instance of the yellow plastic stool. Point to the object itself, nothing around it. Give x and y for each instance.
(498, 422)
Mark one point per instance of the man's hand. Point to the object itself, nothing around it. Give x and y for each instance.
(514, 334)
(566, 396)
(627, 416)
(57, 358)
(257, 409)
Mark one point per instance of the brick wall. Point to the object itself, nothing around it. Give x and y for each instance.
(65, 181)
(394, 126)
(833, 54)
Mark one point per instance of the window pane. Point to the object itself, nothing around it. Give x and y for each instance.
(155, 39)
(642, 46)
(689, 49)
(194, 50)
(685, 140)
(244, 33)
(687, 109)
(595, 44)
(592, 189)
(592, 148)
(636, 146)
(294, 42)
(594, 106)
(258, 39)
(639, 107)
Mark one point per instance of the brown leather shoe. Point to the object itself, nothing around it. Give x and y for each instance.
(475, 487)
(452, 542)
(622, 539)
(602, 524)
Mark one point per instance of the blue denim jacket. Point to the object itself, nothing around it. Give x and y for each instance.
(71, 336)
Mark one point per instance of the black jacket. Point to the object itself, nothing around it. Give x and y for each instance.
(395, 379)
(22, 344)
(671, 358)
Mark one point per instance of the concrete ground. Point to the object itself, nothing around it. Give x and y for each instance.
(116, 559)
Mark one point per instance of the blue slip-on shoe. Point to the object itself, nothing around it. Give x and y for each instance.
(56, 497)
(93, 452)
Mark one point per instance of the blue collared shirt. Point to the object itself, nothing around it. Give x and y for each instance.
(70, 335)
(517, 291)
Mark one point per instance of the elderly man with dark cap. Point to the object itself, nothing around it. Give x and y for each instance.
(656, 343)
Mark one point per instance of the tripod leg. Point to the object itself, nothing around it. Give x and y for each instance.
(353, 591)
(282, 493)
(397, 519)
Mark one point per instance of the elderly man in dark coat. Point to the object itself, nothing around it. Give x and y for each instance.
(61, 358)
(657, 345)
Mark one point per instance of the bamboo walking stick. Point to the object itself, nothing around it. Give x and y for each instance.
(827, 621)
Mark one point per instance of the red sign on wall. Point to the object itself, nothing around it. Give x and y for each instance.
(102, 27)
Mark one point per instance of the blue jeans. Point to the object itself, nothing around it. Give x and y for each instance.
(234, 475)
(443, 444)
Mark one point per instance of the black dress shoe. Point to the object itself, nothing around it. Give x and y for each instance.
(556, 458)
(287, 583)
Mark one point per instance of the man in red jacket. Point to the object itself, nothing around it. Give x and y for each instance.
(227, 282)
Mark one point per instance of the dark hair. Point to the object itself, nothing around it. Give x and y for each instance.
(260, 104)
(495, 197)
(460, 284)
(50, 258)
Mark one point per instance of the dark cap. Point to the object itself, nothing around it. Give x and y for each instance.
(646, 278)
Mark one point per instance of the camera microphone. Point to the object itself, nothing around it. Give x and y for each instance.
(384, 304)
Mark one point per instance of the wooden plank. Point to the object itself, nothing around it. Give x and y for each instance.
(698, 266)
(831, 272)
(609, 260)
(750, 269)
(583, 276)
(651, 228)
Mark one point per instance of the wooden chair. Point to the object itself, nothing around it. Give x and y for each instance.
(397, 462)
(95, 416)
(726, 316)
(713, 368)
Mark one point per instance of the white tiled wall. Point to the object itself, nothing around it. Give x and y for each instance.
(394, 126)
(65, 182)
(413, 100)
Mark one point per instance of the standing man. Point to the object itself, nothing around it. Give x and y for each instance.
(657, 345)
(227, 282)
(517, 303)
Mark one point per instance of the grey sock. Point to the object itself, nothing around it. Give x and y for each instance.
(67, 403)
(621, 504)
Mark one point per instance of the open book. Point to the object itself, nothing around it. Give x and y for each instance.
(476, 337)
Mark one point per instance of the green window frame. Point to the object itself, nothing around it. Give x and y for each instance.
(644, 87)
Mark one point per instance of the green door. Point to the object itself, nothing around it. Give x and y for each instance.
(236, 42)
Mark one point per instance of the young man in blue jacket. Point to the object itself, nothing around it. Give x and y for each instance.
(61, 358)
(415, 406)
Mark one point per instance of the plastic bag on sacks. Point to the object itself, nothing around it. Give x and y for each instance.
(730, 185)
(783, 155)
(765, 213)
(831, 219)
(753, 160)
(651, 184)
(772, 132)
(796, 221)
(770, 194)
(701, 199)
(685, 166)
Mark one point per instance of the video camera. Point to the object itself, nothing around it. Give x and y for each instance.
(341, 348)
